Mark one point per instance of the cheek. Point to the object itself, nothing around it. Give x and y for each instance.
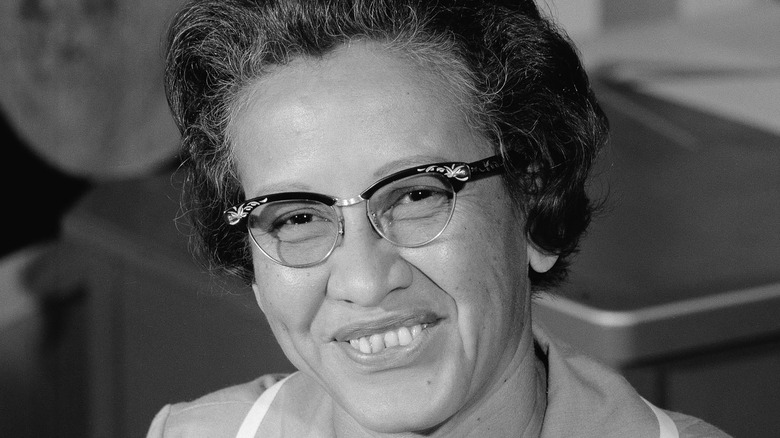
(485, 269)
(290, 298)
(290, 301)
(489, 240)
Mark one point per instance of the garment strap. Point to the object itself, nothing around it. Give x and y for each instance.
(668, 428)
(258, 410)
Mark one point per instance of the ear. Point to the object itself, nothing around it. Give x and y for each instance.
(540, 261)
(258, 296)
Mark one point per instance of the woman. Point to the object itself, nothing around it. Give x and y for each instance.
(394, 178)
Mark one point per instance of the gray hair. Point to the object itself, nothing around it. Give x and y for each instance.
(517, 78)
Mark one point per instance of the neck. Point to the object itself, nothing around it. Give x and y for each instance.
(515, 402)
(516, 405)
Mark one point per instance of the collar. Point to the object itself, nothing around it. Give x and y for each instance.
(588, 399)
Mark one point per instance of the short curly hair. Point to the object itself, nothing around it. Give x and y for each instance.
(522, 79)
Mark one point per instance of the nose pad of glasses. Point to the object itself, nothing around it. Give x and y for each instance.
(372, 219)
(339, 233)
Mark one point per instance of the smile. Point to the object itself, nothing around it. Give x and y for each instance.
(377, 342)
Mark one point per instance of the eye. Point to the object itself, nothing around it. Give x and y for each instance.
(411, 197)
(415, 195)
(413, 203)
(300, 226)
(413, 210)
(284, 217)
(299, 218)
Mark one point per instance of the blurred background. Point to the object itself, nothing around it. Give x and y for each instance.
(105, 317)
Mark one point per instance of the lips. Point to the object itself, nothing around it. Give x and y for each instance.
(373, 336)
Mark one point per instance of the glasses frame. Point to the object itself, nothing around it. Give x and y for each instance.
(457, 173)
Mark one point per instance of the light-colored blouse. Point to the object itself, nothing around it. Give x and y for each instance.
(584, 399)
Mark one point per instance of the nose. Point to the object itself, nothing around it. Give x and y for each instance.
(365, 268)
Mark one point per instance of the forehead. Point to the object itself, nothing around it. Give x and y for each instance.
(357, 108)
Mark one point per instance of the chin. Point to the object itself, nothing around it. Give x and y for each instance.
(404, 416)
(397, 423)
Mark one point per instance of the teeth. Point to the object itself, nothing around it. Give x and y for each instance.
(404, 336)
(393, 338)
(365, 346)
(377, 343)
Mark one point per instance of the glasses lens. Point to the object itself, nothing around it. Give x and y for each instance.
(414, 210)
(294, 233)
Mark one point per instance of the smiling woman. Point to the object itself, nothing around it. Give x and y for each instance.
(394, 178)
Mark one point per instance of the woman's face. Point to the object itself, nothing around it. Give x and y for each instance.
(335, 126)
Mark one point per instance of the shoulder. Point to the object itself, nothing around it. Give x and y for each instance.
(217, 414)
(692, 427)
(586, 398)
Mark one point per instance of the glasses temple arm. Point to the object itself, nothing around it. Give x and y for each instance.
(487, 167)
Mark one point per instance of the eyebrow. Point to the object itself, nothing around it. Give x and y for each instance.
(280, 187)
(406, 163)
(383, 171)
